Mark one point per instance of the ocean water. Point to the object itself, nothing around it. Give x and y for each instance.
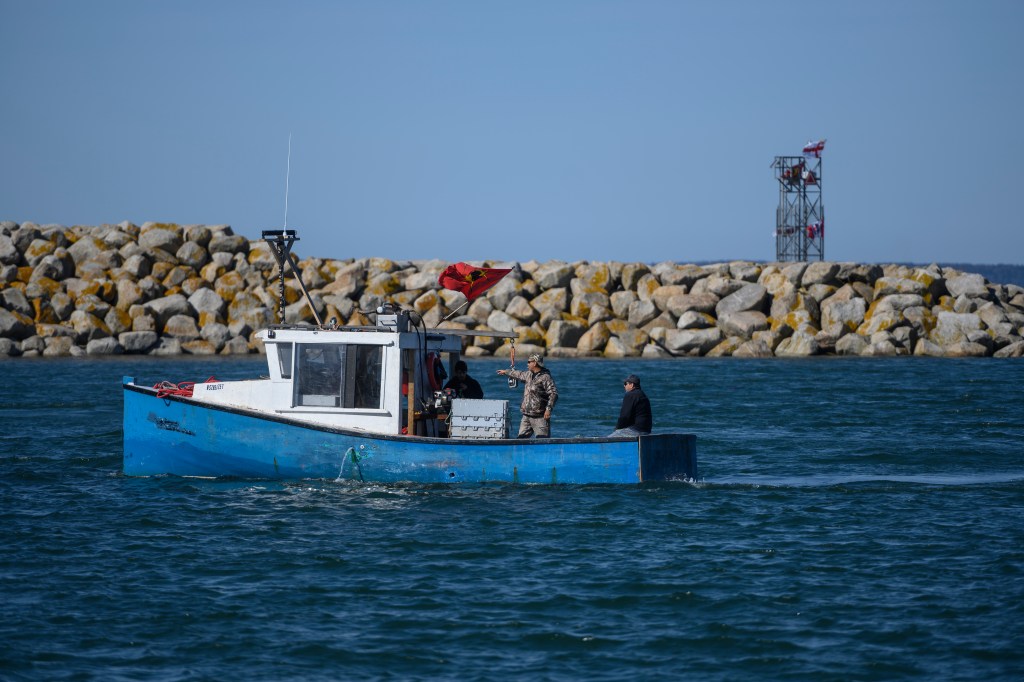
(854, 519)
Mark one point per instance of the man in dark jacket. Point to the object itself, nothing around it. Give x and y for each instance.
(635, 415)
(539, 396)
(464, 385)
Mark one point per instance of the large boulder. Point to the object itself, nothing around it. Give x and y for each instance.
(702, 303)
(748, 297)
(880, 322)
(505, 290)
(422, 304)
(627, 344)
(15, 299)
(564, 333)
(9, 253)
(207, 301)
(349, 281)
(886, 286)
(501, 321)
(719, 285)
(742, 324)
(216, 333)
(631, 274)
(555, 275)
(993, 315)
(1014, 350)
(859, 272)
(88, 327)
(230, 284)
(128, 294)
(56, 268)
(117, 321)
(841, 317)
(222, 242)
(193, 255)
(775, 282)
(692, 319)
(692, 341)
(426, 279)
(480, 310)
(646, 287)
(851, 344)
(137, 265)
(953, 328)
(14, 325)
(37, 250)
(819, 272)
(57, 346)
(164, 308)
(662, 294)
(800, 344)
(897, 302)
(551, 303)
(165, 238)
(965, 349)
(967, 285)
(9, 348)
(620, 302)
(684, 275)
(592, 278)
(795, 309)
(182, 327)
(200, 234)
(641, 312)
(753, 349)
(745, 271)
(583, 303)
(86, 249)
(105, 346)
(595, 338)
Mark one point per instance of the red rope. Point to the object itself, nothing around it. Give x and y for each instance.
(184, 388)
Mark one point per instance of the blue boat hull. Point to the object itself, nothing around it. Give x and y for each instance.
(182, 437)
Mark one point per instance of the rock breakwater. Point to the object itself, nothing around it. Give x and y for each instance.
(164, 289)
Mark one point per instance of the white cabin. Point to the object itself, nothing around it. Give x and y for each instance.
(353, 377)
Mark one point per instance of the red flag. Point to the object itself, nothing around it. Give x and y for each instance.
(469, 279)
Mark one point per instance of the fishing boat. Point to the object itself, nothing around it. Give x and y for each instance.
(367, 403)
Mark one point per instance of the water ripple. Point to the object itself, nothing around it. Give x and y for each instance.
(880, 539)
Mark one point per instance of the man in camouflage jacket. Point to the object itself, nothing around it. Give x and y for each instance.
(539, 396)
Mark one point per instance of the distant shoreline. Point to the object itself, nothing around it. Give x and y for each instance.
(168, 289)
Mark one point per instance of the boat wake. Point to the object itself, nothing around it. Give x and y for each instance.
(826, 481)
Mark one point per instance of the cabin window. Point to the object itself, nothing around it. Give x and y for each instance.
(284, 359)
(339, 375)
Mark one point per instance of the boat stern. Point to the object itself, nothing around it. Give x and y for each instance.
(668, 457)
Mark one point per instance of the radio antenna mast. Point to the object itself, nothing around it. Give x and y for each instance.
(287, 177)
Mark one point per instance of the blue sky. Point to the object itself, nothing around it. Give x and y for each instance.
(597, 130)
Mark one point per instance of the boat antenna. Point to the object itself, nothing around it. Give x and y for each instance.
(287, 177)
(281, 242)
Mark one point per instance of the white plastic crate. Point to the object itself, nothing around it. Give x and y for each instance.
(479, 418)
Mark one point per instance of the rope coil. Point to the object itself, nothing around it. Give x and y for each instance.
(183, 389)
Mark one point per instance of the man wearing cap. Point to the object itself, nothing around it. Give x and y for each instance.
(635, 415)
(539, 397)
(464, 385)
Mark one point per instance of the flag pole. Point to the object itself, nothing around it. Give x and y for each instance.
(445, 318)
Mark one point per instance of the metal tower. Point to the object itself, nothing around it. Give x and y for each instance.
(800, 217)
